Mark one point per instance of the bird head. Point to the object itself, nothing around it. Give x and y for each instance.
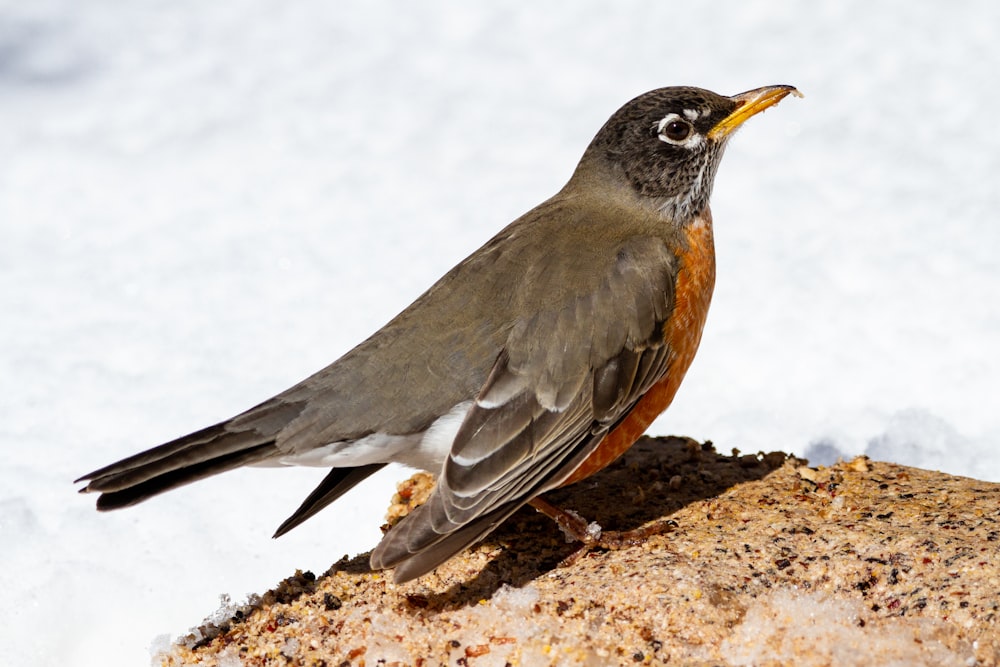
(666, 145)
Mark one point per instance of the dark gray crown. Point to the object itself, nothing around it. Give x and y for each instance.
(635, 142)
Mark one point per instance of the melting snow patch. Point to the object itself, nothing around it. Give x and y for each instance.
(806, 629)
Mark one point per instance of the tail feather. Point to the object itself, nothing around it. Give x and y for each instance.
(256, 426)
(338, 482)
(191, 450)
(244, 440)
(152, 455)
(179, 476)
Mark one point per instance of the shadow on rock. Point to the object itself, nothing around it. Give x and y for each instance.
(654, 479)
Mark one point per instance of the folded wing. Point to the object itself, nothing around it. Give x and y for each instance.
(565, 377)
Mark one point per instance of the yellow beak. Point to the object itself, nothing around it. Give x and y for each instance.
(749, 104)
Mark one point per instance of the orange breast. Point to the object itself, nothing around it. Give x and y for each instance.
(682, 334)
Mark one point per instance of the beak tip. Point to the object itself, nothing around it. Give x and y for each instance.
(750, 104)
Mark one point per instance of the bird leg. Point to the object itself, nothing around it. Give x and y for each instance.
(574, 526)
(591, 536)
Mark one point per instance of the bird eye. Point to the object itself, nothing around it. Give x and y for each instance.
(674, 130)
(677, 130)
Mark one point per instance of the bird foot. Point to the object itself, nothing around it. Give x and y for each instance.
(591, 536)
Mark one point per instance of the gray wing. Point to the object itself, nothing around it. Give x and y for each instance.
(565, 377)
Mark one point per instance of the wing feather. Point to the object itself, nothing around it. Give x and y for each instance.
(565, 377)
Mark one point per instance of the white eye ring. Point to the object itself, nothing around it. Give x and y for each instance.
(677, 131)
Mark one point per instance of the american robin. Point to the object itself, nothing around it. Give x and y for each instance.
(532, 364)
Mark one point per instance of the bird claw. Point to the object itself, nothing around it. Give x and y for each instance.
(591, 536)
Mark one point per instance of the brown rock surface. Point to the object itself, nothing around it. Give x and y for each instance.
(762, 561)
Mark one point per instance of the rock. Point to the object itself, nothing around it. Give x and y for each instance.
(758, 559)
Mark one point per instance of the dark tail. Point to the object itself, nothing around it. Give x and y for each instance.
(338, 482)
(247, 439)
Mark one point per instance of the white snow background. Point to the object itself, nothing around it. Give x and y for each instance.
(202, 203)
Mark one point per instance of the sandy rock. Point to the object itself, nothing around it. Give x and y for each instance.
(758, 560)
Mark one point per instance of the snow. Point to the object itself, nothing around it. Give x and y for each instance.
(202, 203)
(810, 629)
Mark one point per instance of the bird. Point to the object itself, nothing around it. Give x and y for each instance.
(532, 364)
